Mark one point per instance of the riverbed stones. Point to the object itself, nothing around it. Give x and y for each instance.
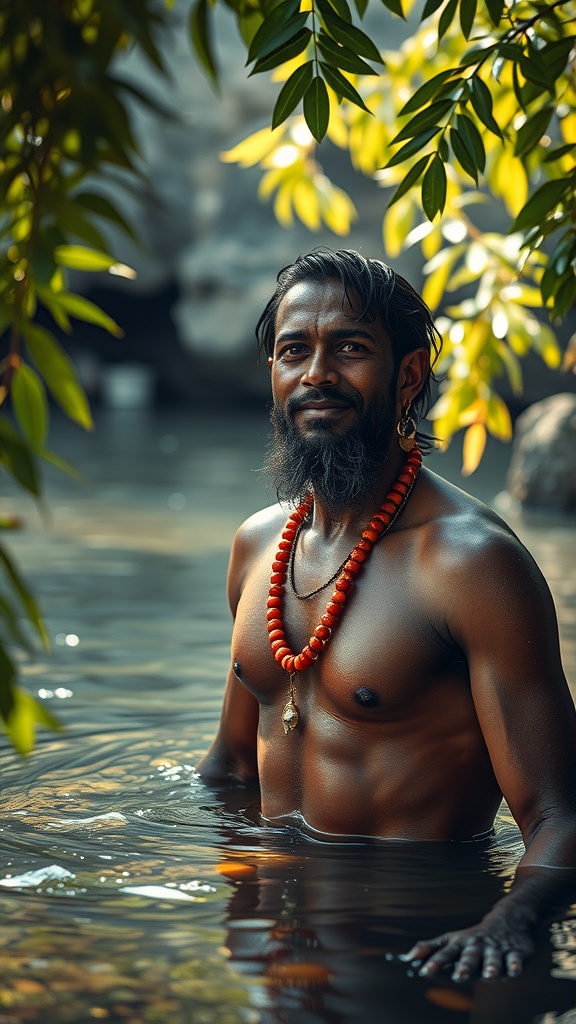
(543, 467)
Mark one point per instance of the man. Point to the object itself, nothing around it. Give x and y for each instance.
(395, 658)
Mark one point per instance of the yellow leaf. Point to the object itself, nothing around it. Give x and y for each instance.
(568, 127)
(397, 225)
(498, 420)
(306, 203)
(508, 179)
(336, 208)
(432, 242)
(254, 148)
(283, 205)
(271, 181)
(473, 448)
(337, 129)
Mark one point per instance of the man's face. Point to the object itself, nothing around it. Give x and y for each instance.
(328, 369)
(334, 397)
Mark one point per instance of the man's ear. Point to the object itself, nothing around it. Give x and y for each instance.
(412, 375)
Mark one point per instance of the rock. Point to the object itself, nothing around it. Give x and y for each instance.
(543, 466)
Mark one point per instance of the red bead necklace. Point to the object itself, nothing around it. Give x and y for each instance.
(381, 521)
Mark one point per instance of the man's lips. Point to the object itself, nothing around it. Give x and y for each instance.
(328, 403)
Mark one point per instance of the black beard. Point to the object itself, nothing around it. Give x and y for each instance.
(341, 469)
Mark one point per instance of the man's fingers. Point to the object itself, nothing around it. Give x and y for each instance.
(492, 963)
(513, 961)
(447, 955)
(422, 949)
(468, 961)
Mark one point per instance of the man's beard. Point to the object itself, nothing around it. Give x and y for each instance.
(341, 469)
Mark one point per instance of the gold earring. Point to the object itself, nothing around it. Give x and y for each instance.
(269, 360)
(406, 429)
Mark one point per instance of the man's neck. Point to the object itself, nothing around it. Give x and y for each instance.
(330, 522)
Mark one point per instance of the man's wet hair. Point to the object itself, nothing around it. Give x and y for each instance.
(375, 292)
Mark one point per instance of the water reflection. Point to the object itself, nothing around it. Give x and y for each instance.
(131, 893)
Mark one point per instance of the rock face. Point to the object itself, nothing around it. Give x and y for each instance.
(543, 467)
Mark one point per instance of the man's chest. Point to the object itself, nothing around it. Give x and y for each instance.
(382, 654)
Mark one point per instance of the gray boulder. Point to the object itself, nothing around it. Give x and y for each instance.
(543, 467)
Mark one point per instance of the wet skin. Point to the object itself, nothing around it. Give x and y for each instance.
(451, 632)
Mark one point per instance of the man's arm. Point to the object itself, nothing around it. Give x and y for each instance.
(499, 610)
(232, 755)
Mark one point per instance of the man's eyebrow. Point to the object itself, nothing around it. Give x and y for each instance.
(342, 332)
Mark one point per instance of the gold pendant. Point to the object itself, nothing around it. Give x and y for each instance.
(291, 714)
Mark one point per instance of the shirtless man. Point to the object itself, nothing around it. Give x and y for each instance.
(437, 685)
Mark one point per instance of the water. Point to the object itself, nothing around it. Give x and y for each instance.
(129, 892)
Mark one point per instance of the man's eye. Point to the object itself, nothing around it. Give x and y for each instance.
(352, 347)
(292, 351)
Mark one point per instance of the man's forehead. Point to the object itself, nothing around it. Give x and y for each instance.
(309, 301)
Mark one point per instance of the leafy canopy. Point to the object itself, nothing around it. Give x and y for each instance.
(477, 104)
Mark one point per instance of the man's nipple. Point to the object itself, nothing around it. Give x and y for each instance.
(237, 669)
(366, 697)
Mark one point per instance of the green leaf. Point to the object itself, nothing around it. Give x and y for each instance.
(58, 372)
(414, 146)
(476, 55)
(529, 135)
(361, 6)
(275, 32)
(83, 309)
(430, 7)
(292, 92)
(565, 297)
(201, 37)
(317, 108)
(18, 459)
(446, 18)
(425, 93)
(79, 257)
(555, 57)
(558, 153)
(347, 34)
(341, 7)
(65, 467)
(102, 207)
(534, 69)
(342, 87)
(7, 676)
(472, 139)
(467, 15)
(71, 221)
(426, 118)
(549, 283)
(495, 10)
(15, 633)
(463, 154)
(283, 53)
(26, 598)
(481, 98)
(434, 188)
(395, 6)
(411, 178)
(544, 200)
(29, 403)
(21, 721)
(342, 56)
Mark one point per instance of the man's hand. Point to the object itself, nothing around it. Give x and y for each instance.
(496, 947)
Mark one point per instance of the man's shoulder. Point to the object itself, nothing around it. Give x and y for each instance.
(261, 528)
(467, 539)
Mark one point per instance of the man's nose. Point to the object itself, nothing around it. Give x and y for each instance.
(320, 372)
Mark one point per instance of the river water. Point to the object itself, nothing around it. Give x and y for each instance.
(129, 892)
